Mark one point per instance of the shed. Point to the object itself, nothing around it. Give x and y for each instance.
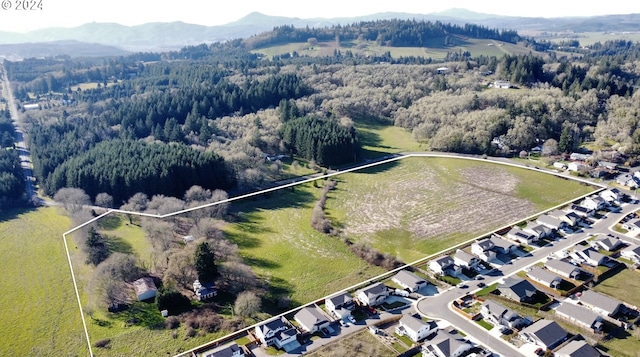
(145, 288)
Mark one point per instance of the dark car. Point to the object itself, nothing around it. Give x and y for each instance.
(481, 285)
(372, 310)
(325, 331)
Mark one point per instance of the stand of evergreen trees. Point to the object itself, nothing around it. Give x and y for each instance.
(12, 184)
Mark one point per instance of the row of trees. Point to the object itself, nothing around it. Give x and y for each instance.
(12, 183)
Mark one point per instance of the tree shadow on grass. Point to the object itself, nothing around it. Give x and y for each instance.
(277, 289)
(141, 314)
(117, 244)
(261, 262)
(13, 213)
(110, 222)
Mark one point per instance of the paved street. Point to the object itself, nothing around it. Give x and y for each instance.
(438, 306)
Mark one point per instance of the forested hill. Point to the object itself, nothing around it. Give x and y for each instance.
(397, 33)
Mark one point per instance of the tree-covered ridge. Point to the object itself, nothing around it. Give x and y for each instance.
(323, 140)
(11, 176)
(397, 33)
(122, 168)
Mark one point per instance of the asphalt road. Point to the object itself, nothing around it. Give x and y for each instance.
(439, 306)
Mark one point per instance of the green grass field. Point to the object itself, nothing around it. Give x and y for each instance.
(418, 206)
(39, 314)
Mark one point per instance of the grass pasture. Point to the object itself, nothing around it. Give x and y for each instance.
(418, 206)
(39, 314)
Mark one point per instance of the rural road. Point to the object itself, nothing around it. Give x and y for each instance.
(20, 140)
(438, 306)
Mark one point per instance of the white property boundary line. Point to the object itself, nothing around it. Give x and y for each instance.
(296, 183)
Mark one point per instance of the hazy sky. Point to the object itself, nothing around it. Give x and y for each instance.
(70, 13)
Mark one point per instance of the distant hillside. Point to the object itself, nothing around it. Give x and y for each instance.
(58, 48)
(174, 35)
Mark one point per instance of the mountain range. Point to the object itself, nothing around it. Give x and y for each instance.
(115, 39)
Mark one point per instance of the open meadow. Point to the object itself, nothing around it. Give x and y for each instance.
(39, 314)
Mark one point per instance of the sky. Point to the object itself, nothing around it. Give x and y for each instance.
(71, 13)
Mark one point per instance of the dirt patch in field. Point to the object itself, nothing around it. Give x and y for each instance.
(430, 203)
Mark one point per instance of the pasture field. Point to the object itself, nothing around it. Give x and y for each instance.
(39, 313)
(418, 206)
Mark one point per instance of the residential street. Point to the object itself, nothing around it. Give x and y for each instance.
(439, 306)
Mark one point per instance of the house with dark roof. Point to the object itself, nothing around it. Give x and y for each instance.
(569, 218)
(204, 291)
(490, 248)
(465, 260)
(373, 295)
(340, 305)
(565, 269)
(232, 350)
(577, 348)
(600, 303)
(443, 266)
(518, 289)
(145, 288)
(544, 333)
(612, 195)
(278, 333)
(632, 225)
(446, 344)
(311, 319)
(521, 236)
(590, 256)
(594, 202)
(632, 253)
(581, 211)
(580, 316)
(628, 180)
(609, 243)
(409, 280)
(414, 328)
(544, 277)
(500, 315)
(551, 222)
(538, 230)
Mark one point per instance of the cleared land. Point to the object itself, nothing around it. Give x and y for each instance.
(361, 344)
(418, 206)
(39, 312)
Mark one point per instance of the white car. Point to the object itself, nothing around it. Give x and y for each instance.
(352, 319)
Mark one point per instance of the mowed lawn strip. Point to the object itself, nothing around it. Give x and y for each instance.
(417, 206)
(39, 314)
(275, 237)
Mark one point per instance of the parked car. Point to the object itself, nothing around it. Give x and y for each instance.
(479, 277)
(351, 319)
(372, 310)
(463, 286)
(325, 331)
(343, 323)
(481, 285)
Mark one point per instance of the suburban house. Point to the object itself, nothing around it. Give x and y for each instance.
(581, 211)
(600, 303)
(489, 249)
(594, 202)
(577, 348)
(145, 288)
(409, 280)
(278, 333)
(544, 333)
(544, 277)
(373, 295)
(590, 256)
(500, 315)
(632, 253)
(502, 84)
(443, 266)
(521, 236)
(340, 305)
(414, 328)
(232, 350)
(576, 156)
(580, 316)
(559, 165)
(627, 180)
(612, 195)
(311, 319)
(517, 289)
(465, 260)
(569, 218)
(609, 243)
(538, 230)
(565, 269)
(204, 291)
(576, 166)
(446, 344)
(632, 225)
(551, 222)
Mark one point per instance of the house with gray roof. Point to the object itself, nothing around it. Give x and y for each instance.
(409, 280)
(577, 348)
(590, 256)
(612, 195)
(488, 249)
(581, 316)
(414, 328)
(500, 315)
(446, 344)
(518, 289)
(544, 277)
(373, 295)
(600, 303)
(443, 266)
(279, 333)
(551, 222)
(544, 333)
(628, 180)
(568, 217)
(537, 229)
(565, 269)
(609, 243)
(581, 211)
(232, 350)
(594, 202)
(340, 305)
(464, 259)
(521, 236)
(632, 253)
(632, 225)
(311, 319)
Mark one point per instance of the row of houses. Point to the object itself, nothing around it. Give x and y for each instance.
(548, 335)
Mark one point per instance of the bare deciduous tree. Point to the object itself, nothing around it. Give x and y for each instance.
(104, 200)
(72, 198)
(180, 268)
(247, 304)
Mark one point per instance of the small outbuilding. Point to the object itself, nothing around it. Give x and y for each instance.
(145, 288)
